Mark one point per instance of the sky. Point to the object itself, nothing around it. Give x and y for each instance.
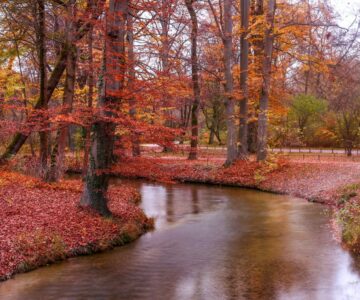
(347, 10)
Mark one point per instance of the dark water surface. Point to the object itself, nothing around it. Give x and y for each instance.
(210, 243)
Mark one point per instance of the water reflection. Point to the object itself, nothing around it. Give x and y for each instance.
(210, 243)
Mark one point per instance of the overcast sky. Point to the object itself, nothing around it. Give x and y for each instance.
(347, 9)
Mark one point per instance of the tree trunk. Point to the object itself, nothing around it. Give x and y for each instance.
(164, 58)
(229, 86)
(135, 139)
(257, 12)
(90, 97)
(195, 81)
(58, 153)
(111, 86)
(94, 10)
(41, 43)
(265, 89)
(212, 135)
(244, 71)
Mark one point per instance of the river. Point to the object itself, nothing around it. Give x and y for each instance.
(209, 243)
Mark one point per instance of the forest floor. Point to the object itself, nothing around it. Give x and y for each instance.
(322, 182)
(42, 223)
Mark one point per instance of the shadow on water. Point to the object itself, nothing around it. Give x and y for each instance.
(209, 243)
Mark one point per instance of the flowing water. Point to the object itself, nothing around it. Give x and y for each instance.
(209, 243)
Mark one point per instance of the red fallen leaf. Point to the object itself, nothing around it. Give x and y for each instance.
(41, 222)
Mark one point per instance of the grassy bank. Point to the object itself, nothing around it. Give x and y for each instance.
(42, 223)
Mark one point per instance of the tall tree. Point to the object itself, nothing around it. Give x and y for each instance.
(111, 87)
(257, 50)
(58, 153)
(244, 71)
(90, 96)
(41, 42)
(135, 141)
(225, 28)
(266, 78)
(229, 85)
(195, 80)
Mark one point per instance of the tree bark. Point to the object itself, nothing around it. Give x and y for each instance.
(244, 71)
(265, 89)
(111, 86)
(229, 86)
(90, 97)
(257, 12)
(58, 154)
(135, 141)
(41, 43)
(195, 81)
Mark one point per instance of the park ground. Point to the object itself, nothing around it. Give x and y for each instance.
(42, 223)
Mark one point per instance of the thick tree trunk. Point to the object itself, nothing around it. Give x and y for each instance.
(195, 81)
(244, 71)
(111, 86)
(229, 86)
(265, 89)
(19, 139)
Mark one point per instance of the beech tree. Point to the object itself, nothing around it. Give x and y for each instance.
(224, 25)
(111, 86)
(265, 88)
(244, 71)
(195, 80)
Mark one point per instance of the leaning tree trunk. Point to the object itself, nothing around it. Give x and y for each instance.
(244, 71)
(111, 86)
(229, 85)
(94, 11)
(265, 89)
(195, 81)
(58, 153)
